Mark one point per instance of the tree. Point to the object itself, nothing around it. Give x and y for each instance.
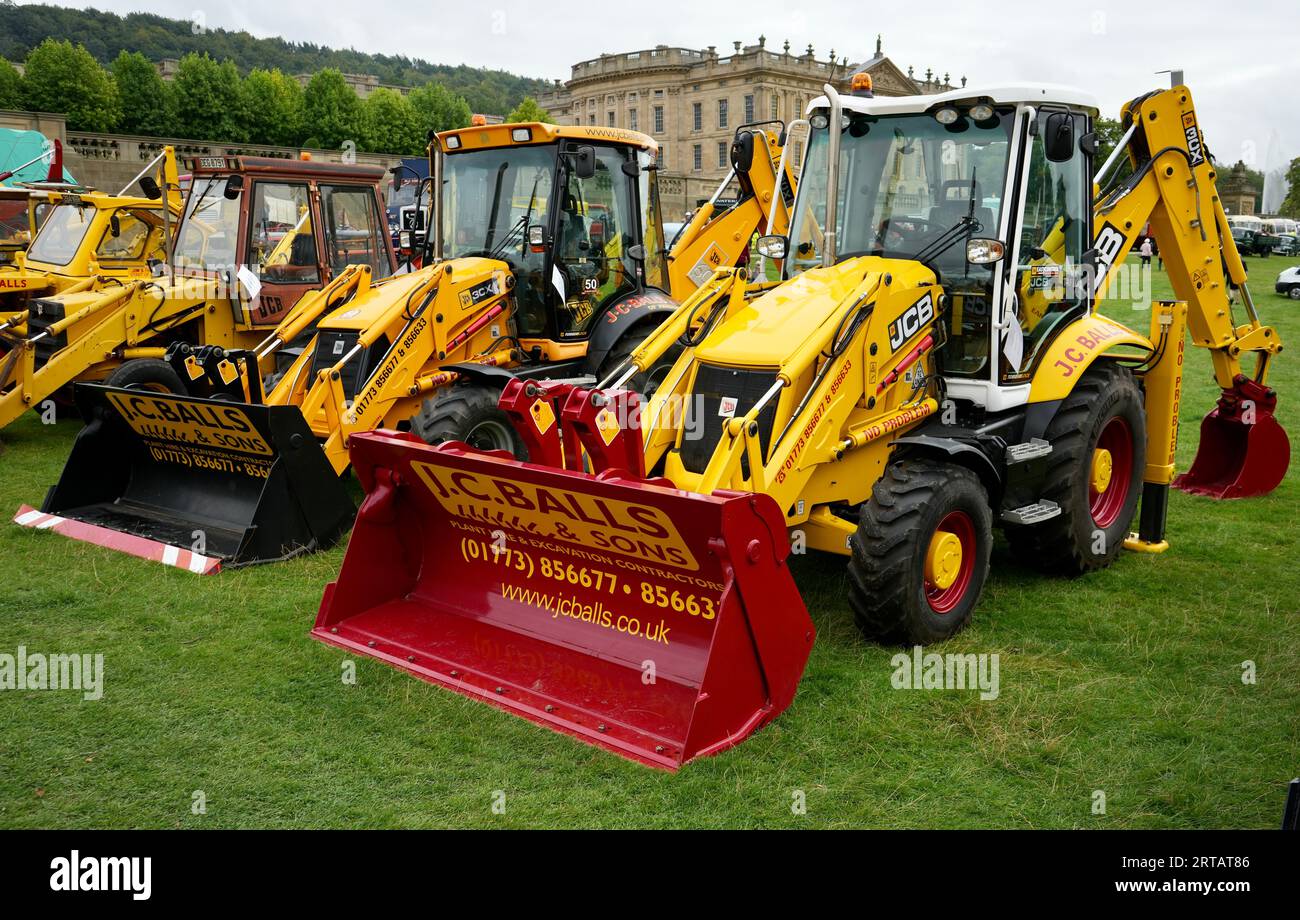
(528, 110)
(274, 103)
(390, 124)
(61, 77)
(209, 100)
(438, 108)
(142, 93)
(1291, 204)
(331, 110)
(11, 86)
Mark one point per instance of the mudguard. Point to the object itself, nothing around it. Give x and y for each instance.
(651, 305)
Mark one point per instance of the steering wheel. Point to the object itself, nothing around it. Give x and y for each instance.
(919, 228)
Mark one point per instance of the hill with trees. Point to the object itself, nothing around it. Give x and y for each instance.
(104, 35)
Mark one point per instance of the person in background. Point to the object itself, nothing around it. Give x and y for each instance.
(1146, 250)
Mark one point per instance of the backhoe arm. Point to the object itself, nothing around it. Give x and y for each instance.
(1243, 450)
(714, 239)
(1172, 188)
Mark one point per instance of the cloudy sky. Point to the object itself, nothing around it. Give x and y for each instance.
(1239, 58)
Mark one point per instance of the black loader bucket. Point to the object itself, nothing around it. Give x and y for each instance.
(195, 483)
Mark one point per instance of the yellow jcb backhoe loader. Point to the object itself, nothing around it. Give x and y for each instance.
(893, 400)
(89, 243)
(546, 261)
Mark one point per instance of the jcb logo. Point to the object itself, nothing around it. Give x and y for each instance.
(912, 321)
(1193, 138)
(1109, 244)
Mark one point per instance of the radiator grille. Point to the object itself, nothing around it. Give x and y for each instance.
(704, 413)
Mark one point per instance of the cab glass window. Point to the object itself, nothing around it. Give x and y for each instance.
(597, 224)
(131, 236)
(352, 229)
(1050, 282)
(282, 245)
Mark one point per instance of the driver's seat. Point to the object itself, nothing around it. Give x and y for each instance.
(952, 208)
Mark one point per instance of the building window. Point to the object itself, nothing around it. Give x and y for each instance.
(776, 108)
(663, 156)
(631, 97)
(659, 94)
(699, 157)
(697, 110)
(659, 119)
(591, 119)
(631, 120)
(722, 113)
(722, 154)
(749, 109)
(610, 116)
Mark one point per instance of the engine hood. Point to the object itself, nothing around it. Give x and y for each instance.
(779, 323)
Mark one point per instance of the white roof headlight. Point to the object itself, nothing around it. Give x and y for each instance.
(947, 115)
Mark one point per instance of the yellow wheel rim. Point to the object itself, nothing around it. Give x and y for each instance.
(943, 560)
(1102, 465)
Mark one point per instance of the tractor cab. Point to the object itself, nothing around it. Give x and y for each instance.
(22, 211)
(988, 188)
(574, 212)
(269, 230)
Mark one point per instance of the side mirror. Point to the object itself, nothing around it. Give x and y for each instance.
(773, 247)
(742, 151)
(149, 185)
(115, 226)
(637, 252)
(984, 252)
(1058, 140)
(234, 186)
(584, 162)
(631, 168)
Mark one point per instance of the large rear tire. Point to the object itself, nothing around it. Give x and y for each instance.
(468, 413)
(148, 374)
(920, 557)
(1098, 440)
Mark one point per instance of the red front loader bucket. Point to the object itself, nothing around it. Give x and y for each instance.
(1243, 450)
(656, 623)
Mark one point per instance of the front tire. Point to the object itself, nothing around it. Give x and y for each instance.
(920, 557)
(1293, 292)
(1098, 440)
(468, 413)
(148, 374)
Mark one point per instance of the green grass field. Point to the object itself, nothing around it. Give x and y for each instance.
(1128, 681)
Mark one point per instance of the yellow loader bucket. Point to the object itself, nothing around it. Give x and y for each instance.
(655, 623)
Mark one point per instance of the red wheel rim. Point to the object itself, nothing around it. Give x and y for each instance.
(1117, 438)
(943, 600)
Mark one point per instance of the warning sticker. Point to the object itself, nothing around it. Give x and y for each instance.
(710, 262)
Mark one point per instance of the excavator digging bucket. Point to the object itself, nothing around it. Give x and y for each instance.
(195, 483)
(658, 624)
(1244, 451)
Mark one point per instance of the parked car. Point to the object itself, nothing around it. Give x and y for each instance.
(1288, 282)
(1253, 242)
(1288, 245)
